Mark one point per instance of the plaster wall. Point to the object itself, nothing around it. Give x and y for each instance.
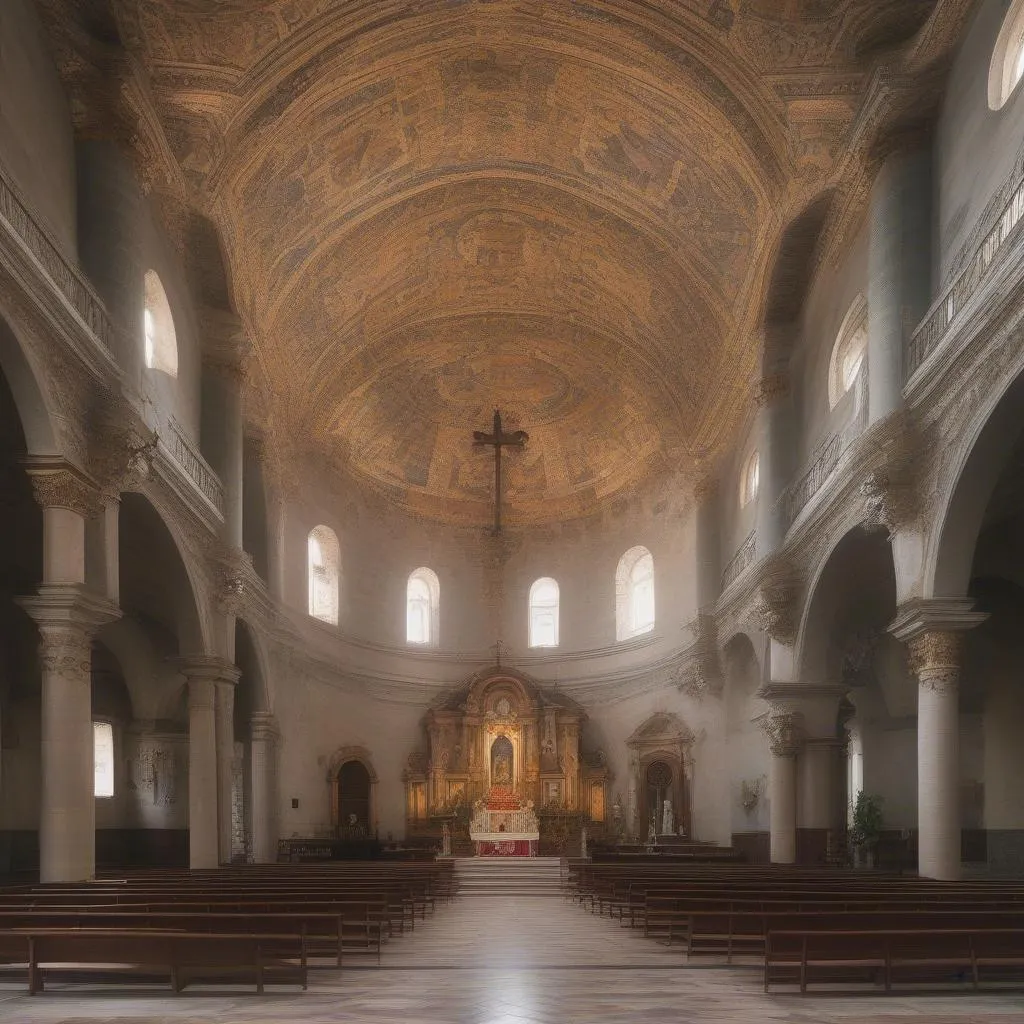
(164, 396)
(36, 143)
(381, 546)
(832, 294)
(976, 149)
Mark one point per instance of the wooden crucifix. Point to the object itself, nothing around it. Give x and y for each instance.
(498, 440)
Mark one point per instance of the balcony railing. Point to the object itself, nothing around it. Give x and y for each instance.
(741, 561)
(930, 332)
(188, 456)
(65, 277)
(824, 461)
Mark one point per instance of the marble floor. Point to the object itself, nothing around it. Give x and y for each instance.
(510, 960)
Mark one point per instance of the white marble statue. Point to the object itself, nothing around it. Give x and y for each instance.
(668, 826)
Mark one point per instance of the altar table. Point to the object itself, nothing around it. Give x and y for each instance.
(506, 844)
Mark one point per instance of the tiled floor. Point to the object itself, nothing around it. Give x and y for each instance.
(512, 960)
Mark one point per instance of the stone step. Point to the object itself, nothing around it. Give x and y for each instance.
(509, 876)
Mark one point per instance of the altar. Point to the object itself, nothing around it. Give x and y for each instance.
(504, 825)
(502, 758)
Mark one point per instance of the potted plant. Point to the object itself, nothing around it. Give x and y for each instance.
(866, 829)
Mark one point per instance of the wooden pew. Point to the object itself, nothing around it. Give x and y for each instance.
(889, 957)
(180, 956)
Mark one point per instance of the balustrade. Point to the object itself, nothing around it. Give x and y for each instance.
(188, 456)
(741, 561)
(67, 280)
(929, 334)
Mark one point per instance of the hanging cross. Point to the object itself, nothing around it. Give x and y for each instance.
(499, 440)
(499, 648)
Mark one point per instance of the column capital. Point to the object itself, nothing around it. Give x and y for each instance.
(923, 615)
(67, 616)
(817, 704)
(264, 726)
(58, 484)
(207, 667)
(933, 631)
(785, 731)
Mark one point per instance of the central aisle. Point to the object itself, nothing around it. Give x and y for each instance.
(510, 949)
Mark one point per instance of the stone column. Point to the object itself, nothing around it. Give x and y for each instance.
(203, 674)
(224, 725)
(222, 433)
(773, 447)
(899, 271)
(265, 738)
(785, 737)
(933, 631)
(68, 616)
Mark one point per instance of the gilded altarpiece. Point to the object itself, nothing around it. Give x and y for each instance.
(504, 741)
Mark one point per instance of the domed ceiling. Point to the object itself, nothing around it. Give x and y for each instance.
(566, 210)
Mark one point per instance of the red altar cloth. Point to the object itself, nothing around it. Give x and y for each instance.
(507, 848)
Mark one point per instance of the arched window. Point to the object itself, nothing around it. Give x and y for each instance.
(161, 343)
(422, 599)
(848, 352)
(634, 594)
(544, 613)
(1007, 68)
(324, 560)
(103, 759)
(750, 479)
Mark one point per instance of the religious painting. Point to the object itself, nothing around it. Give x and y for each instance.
(456, 792)
(501, 762)
(553, 793)
(597, 801)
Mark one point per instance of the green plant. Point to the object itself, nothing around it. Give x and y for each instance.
(867, 821)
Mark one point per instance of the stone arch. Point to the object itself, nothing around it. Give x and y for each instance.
(961, 503)
(31, 399)
(742, 671)
(251, 658)
(832, 593)
(175, 604)
(336, 763)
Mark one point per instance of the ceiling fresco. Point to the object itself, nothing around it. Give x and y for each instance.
(568, 210)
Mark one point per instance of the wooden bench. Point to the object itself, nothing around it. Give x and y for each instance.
(882, 958)
(181, 956)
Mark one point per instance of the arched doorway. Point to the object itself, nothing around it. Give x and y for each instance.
(660, 787)
(353, 800)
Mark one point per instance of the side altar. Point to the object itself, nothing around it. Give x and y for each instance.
(504, 768)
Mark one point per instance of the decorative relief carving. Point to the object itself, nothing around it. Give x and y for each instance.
(65, 648)
(785, 732)
(65, 488)
(935, 658)
(777, 605)
(153, 772)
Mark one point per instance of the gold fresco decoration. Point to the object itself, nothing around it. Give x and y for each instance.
(567, 210)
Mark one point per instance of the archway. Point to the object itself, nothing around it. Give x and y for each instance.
(353, 800)
(352, 789)
(660, 771)
(745, 760)
(855, 737)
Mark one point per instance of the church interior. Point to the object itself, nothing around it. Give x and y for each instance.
(508, 504)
